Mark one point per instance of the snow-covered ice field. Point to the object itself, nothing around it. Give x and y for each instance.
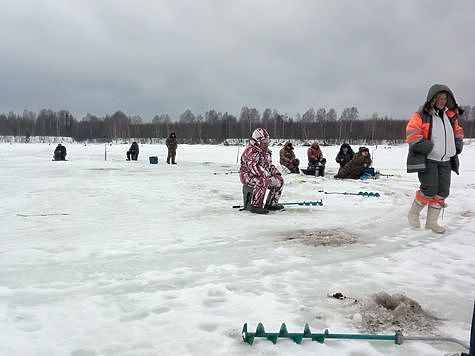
(127, 258)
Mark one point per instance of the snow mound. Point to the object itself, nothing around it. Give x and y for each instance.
(384, 312)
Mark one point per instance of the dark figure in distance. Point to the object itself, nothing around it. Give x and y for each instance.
(172, 146)
(60, 153)
(133, 152)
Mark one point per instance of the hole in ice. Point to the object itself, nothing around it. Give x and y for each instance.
(327, 237)
(385, 312)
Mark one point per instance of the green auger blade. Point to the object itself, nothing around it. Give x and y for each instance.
(296, 337)
(260, 331)
(310, 203)
(283, 333)
(315, 337)
(272, 337)
(305, 203)
(247, 337)
(369, 194)
(363, 194)
(306, 331)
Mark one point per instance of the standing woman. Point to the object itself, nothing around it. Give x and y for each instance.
(171, 145)
(435, 139)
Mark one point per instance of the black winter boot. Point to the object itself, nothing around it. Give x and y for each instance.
(258, 210)
(274, 207)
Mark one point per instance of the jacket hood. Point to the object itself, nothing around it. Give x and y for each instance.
(289, 145)
(436, 89)
(258, 136)
(362, 148)
(315, 144)
(346, 145)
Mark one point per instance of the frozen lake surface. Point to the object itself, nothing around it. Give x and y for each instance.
(127, 258)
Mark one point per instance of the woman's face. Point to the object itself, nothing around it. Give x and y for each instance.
(264, 144)
(441, 100)
(365, 153)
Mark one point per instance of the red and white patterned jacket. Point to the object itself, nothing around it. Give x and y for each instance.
(256, 163)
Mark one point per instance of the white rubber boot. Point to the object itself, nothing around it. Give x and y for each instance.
(433, 212)
(413, 216)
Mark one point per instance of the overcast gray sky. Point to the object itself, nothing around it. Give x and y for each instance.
(146, 57)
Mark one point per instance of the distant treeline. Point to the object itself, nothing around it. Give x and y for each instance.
(215, 127)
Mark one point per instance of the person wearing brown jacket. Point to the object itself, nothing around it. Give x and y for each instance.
(288, 159)
(172, 146)
(315, 156)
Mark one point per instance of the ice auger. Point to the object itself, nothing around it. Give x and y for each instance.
(300, 203)
(305, 203)
(228, 172)
(398, 337)
(388, 175)
(307, 334)
(364, 194)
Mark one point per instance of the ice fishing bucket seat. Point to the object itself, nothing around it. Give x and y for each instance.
(318, 171)
(247, 197)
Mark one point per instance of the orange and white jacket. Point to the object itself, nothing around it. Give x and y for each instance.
(432, 137)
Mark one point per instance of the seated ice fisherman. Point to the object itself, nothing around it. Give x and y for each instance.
(258, 174)
(345, 155)
(59, 153)
(133, 152)
(316, 162)
(354, 168)
(288, 159)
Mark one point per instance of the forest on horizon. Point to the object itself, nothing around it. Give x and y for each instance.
(215, 127)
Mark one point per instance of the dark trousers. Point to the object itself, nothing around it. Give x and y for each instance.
(171, 156)
(58, 156)
(435, 180)
(132, 155)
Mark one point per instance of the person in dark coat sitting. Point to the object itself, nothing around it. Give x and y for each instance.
(354, 168)
(345, 155)
(133, 152)
(60, 153)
